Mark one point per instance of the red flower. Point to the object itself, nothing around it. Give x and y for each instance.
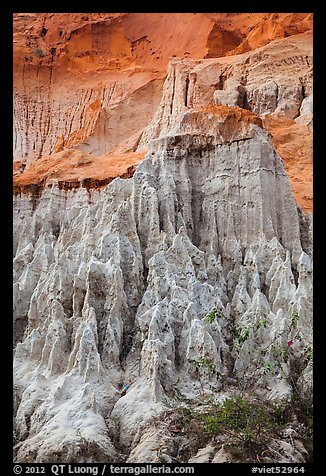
(290, 342)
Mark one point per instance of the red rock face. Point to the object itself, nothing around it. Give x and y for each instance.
(86, 86)
(73, 169)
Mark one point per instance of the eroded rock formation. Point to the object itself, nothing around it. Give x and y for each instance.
(113, 284)
(92, 82)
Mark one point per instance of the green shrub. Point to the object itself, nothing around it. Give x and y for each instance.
(248, 426)
(217, 312)
(242, 419)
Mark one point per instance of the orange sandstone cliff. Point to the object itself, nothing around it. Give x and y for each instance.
(86, 86)
(162, 263)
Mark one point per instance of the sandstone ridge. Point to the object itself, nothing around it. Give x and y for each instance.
(202, 226)
(163, 244)
(93, 82)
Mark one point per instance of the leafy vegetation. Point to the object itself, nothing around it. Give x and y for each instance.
(294, 319)
(245, 425)
(259, 323)
(201, 362)
(308, 354)
(266, 367)
(217, 312)
(241, 419)
(242, 333)
(280, 357)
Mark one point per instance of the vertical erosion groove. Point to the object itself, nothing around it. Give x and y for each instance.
(147, 297)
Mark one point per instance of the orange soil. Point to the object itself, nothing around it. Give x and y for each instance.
(294, 143)
(86, 49)
(147, 41)
(238, 113)
(75, 168)
(262, 28)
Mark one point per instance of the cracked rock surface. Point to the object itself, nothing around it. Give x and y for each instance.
(117, 289)
(163, 263)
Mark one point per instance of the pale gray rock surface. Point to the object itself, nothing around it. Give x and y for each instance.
(116, 287)
(306, 112)
(254, 80)
(222, 456)
(204, 455)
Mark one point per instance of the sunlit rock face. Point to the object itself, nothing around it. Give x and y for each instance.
(87, 86)
(118, 287)
(187, 276)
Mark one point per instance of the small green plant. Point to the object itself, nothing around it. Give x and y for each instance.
(217, 312)
(249, 425)
(266, 368)
(186, 414)
(210, 318)
(167, 403)
(285, 353)
(212, 425)
(201, 362)
(308, 354)
(280, 413)
(298, 336)
(303, 409)
(242, 333)
(259, 323)
(294, 318)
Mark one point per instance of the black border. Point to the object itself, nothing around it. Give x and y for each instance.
(277, 6)
(6, 78)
